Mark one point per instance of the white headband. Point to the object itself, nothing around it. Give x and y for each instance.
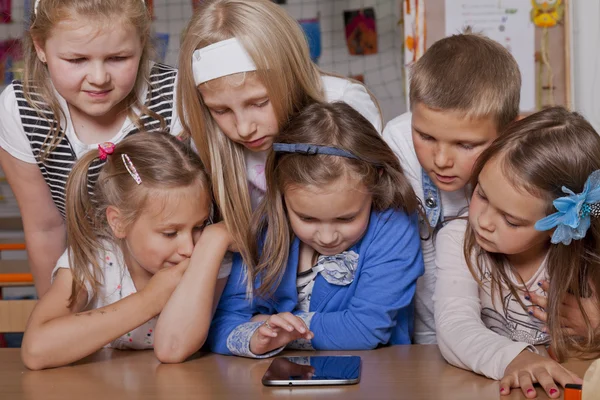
(37, 3)
(220, 59)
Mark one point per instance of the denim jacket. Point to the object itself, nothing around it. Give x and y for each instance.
(432, 201)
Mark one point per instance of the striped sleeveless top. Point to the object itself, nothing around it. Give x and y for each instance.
(58, 164)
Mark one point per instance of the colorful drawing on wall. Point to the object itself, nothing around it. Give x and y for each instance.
(360, 78)
(5, 11)
(27, 8)
(545, 14)
(414, 36)
(361, 31)
(161, 44)
(414, 30)
(312, 30)
(11, 60)
(150, 7)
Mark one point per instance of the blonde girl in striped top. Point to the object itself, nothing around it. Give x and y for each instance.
(88, 79)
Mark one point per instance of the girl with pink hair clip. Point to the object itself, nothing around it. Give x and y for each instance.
(88, 78)
(130, 241)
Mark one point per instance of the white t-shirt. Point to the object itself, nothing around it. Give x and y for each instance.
(474, 331)
(13, 138)
(335, 89)
(116, 284)
(398, 135)
(305, 282)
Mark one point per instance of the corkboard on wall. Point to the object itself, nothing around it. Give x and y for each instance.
(559, 51)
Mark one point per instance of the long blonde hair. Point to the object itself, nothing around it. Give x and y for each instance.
(541, 154)
(325, 124)
(37, 84)
(278, 47)
(162, 162)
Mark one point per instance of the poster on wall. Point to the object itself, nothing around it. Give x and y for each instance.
(509, 23)
(414, 30)
(361, 31)
(5, 11)
(27, 5)
(150, 7)
(161, 44)
(11, 60)
(414, 37)
(312, 30)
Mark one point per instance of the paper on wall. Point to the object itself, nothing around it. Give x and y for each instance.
(507, 22)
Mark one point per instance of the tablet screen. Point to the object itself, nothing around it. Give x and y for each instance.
(313, 370)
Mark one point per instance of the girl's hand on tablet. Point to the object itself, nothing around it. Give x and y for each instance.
(278, 330)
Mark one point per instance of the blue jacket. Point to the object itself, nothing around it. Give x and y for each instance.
(375, 308)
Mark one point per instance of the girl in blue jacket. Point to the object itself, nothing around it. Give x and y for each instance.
(336, 245)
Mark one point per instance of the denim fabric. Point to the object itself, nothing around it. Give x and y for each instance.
(432, 200)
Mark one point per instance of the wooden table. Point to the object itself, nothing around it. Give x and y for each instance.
(397, 372)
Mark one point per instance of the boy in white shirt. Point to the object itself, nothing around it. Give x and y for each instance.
(463, 92)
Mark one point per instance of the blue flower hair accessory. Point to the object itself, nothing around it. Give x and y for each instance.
(574, 212)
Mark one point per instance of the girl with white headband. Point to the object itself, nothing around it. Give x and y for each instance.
(245, 70)
(87, 79)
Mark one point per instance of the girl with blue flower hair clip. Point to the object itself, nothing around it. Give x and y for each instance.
(532, 220)
(336, 246)
(575, 212)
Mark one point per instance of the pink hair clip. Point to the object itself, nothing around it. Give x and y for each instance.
(104, 149)
(131, 169)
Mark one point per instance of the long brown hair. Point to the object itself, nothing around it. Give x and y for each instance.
(278, 48)
(335, 124)
(37, 84)
(162, 162)
(541, 154)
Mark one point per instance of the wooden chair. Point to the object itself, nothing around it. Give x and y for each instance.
(14, 313)
(11, 246)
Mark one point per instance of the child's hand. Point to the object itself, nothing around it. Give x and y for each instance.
(278, 330)
(163, 283)
(528, 368)
(572, 320)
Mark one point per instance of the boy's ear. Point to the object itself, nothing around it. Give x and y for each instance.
(113, 216)
(39, 49)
